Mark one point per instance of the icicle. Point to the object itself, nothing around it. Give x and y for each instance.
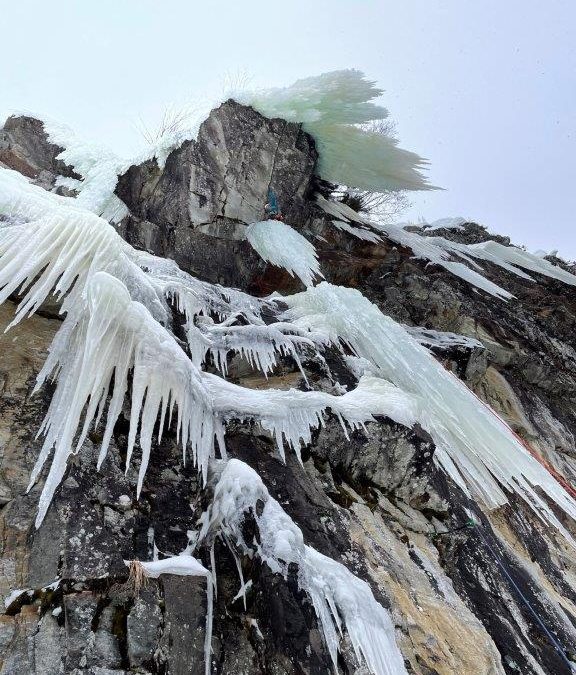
(278, 243)
(106, 336)
(338, 596)
(473, 446)
(60, 248)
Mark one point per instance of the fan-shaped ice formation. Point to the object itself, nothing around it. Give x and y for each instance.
(330, 106)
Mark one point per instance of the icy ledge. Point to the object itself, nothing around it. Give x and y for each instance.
(339, 597)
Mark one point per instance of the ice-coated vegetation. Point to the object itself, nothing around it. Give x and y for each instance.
(340, 598)
(278, 243)
(473, 445)
(330, 108)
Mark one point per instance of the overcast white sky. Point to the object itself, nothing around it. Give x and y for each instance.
(485, 89)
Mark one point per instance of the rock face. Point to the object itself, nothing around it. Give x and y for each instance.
(463, 602)
(195, 210)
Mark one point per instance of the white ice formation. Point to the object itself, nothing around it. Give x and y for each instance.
(473, 445)
(278, 243)
(339, 597)
(330, 108)
(115, 300)
(119, 302)
(448, 254)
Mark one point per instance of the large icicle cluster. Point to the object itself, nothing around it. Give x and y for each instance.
(115, 301)
(278, 243)
(104, 338)
(440, 251)
(59, 247)
(118, 305)
(473, 445)
(330, 108)
(340, 598)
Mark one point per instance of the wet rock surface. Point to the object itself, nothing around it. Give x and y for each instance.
(375, 501)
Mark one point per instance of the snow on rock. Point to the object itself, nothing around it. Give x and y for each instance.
(278, 243)
(99, 168)
(442, 339)
(445, 224)
(512, 258)
(425, 248)
(339, 597)
(439, 251)
(183, 565)
(473, 445)
(330, 107)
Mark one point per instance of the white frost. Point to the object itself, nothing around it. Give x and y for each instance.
(278, 243)
(339, 597)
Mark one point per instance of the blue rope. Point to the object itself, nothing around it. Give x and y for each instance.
(557, 646)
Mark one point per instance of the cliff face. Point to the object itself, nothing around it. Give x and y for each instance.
(467, 600)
